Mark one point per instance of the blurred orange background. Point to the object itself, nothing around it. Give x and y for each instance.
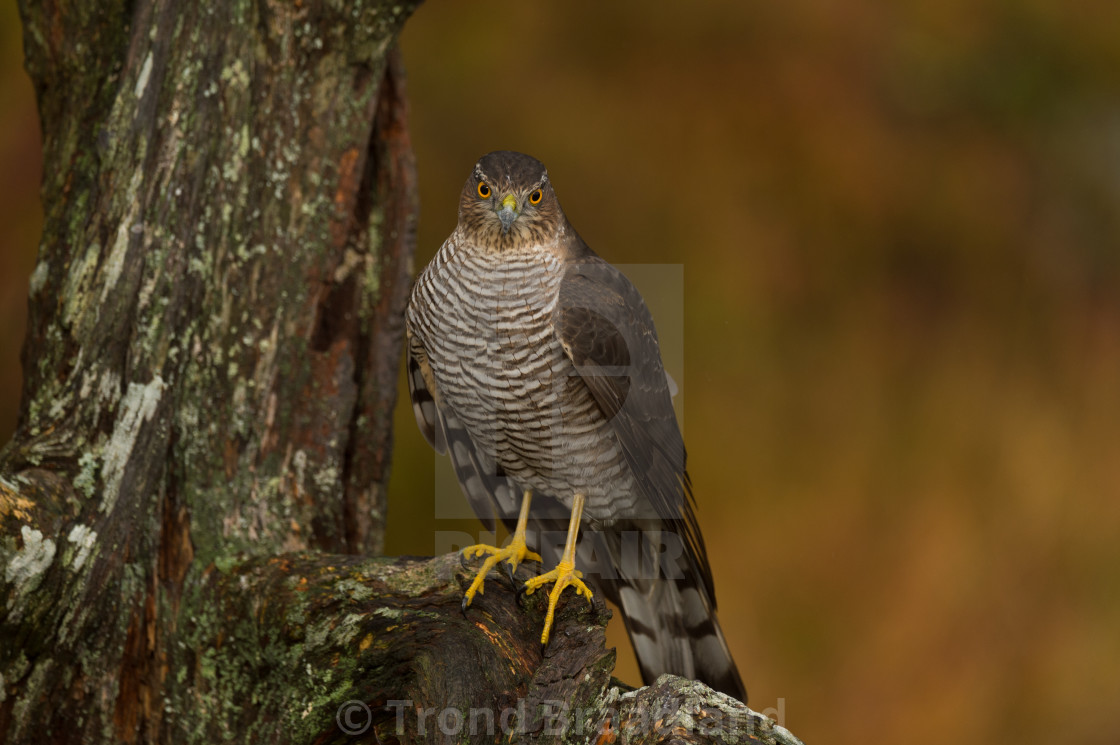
(899, 225)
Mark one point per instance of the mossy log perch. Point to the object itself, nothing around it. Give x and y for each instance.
(197, 480)
(396, 659)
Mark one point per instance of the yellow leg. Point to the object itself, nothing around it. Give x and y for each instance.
(514, 553)
(565, 573)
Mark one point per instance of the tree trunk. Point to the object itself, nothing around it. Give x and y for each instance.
(210, 371)
(212, 345)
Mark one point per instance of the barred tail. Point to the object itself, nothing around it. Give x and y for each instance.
(674, 630)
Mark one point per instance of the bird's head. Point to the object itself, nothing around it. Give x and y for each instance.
(508, 202)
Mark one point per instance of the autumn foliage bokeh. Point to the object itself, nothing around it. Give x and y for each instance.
(899, 225)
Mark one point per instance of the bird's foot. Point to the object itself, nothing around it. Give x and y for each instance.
(562, 576)
(513, 554)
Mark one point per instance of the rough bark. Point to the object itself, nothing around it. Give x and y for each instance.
(210, 370)
(213, 335)
(405, 664)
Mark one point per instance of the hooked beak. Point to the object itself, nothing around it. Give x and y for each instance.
(508, 213)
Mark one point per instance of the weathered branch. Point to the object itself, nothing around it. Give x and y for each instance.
(379, 649)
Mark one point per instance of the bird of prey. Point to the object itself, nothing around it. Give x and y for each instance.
(535, 366)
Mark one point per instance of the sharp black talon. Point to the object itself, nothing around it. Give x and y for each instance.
(464, 605)
(509, 573)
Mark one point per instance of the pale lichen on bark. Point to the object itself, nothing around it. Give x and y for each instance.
(204, 177)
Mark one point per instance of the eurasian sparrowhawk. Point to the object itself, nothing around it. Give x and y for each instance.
(535, 365)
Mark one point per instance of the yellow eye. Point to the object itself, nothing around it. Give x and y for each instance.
(483, 190)
(535, 197)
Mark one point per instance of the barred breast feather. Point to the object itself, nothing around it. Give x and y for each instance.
(486, 324)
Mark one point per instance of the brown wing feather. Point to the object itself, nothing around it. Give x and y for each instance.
(422, 391)
(608, 333)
